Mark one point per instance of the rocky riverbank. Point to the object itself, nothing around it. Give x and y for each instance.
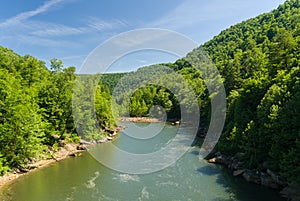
(68, 150)
(65, 150)
(139, 119)
(148, 120)
(268, 178)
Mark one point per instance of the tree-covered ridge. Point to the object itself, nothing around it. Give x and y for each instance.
(268, 42)
(111, 79)
(139, 93)
(259, 63)
(36, 108)
(258, 60)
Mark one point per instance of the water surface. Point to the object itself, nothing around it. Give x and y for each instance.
(85, 179)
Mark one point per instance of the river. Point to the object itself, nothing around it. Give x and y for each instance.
(85, 179)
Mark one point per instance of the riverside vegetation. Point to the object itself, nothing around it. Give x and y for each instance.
(36, 109)
(258, 60)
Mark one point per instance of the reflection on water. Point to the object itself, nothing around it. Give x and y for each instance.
(84, 179)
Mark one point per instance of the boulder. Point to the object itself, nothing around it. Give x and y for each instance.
(76, 154)
(32, 166)
(219, 160)
(278, 179)
(61, 143)
(251, 176)
(81, 147)
(268, 181)
(237, 165)
(238, 172)
(85, 142)
(23, 170)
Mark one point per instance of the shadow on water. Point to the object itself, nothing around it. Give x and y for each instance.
(196, 153)
(222, 199)
(237, 187)
(209, 170)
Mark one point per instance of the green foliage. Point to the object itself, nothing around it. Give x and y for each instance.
(21, 128)
(71, 138)
(259, 61)
(158, 85)
(92, 110)
(290, 163)
(35, 105)
(103, 107)
(111, 80)
(56, 65)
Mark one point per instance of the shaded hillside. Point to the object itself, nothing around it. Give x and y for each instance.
(259, 61)
(111, 79)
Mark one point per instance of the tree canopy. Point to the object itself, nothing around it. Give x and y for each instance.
(36, 106)
(258, 60)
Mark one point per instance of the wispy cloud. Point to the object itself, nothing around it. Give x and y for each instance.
(50, 29)
(26, 15)
(43, 29)
(190, 13)
(100, 24)
(32, 31)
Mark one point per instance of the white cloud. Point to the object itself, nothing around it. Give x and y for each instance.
(46, 42)
(192, 12)
(43, 29)
(26, 15)
(50, 29)
(99, 24)
(25, 30)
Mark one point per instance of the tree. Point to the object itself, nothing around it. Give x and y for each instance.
(21, 128)
(56, 65)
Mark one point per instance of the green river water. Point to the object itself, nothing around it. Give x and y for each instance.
(85, 179)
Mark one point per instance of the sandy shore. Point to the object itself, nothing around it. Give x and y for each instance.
(139, 119)
(63, 152)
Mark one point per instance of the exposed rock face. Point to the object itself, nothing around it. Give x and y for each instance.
(238, 172)
(268, 181)
(219, 160)
(279, 180)
(250, 176)
(269, 178)
(81, 147)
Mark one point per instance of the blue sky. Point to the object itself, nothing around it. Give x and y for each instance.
(70, 29)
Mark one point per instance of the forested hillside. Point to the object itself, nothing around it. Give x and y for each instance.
(111, 80)
(36, 108)
(259, 61)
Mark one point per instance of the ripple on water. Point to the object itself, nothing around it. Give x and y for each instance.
(91, 182)
(167, 183)
(144, 194)
(70, 196)
(127, 177)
